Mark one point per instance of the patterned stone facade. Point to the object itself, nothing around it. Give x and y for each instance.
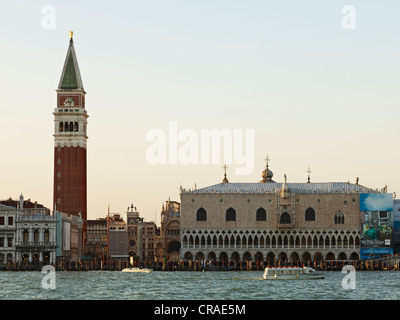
(168, 243)
(269, 220)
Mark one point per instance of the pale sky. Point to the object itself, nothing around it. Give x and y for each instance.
(315, 94)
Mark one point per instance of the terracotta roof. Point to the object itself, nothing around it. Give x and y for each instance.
(28, 204)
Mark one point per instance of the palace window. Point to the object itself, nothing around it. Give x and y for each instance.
(46, 235)
(26, 235)
(36, 235)
(310, 214)
(201, 215)
(285, 218)
(230, 214)
(339, 218)
(261, 215)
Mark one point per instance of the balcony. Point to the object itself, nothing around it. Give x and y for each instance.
(285, 225)
(35, 244)
(35, 218)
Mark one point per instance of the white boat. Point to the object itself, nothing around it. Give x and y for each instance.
(136, 269)
(291, 273)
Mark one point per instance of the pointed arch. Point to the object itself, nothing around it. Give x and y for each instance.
(203, 240)
(321, 242)
(255, 241)
(285, 240)
(232, 243)
(309, 215)
(250, 241)
(201, 214)
(184, 241)
(297, 243)
(230, 214)
(303, 242)
(220, 241)
(238, 241)
(261, 215)
(285, 218)
(226, 242)
(215, 242)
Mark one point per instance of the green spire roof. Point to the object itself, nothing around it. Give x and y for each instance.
(71, 76)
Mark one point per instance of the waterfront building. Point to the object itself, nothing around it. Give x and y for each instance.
(69, 237)
(168, 243)
(35, 239)
(26, 206)
(96, 241)
(118, 239)
(270, 221)
(70, 141)
(7, 234)
(141, 235)
(30, 231)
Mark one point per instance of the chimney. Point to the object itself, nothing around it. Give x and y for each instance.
(21, 202)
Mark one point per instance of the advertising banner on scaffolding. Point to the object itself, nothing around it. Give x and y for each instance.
(396, 225)
(376, 211)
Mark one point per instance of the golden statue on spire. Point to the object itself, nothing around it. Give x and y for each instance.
(71, 34)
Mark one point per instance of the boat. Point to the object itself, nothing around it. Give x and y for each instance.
(131, 268)
(291, 273)
(136, 269)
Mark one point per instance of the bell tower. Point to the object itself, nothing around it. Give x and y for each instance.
(70, 140)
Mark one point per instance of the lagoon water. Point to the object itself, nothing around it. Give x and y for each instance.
(229, 285)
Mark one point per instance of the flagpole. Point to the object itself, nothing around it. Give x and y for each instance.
(108, 235)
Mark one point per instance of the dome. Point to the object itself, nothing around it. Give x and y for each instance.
(266, 175)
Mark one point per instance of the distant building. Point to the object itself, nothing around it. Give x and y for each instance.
(168, 243)
(29, 231)
(137, 245)
(7, 234)
(96, 238)
(36, 238)
(118, 238)
(272, 221)
(26, 206)
(69, 237)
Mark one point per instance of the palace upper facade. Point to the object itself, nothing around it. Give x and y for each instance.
(272, 221)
